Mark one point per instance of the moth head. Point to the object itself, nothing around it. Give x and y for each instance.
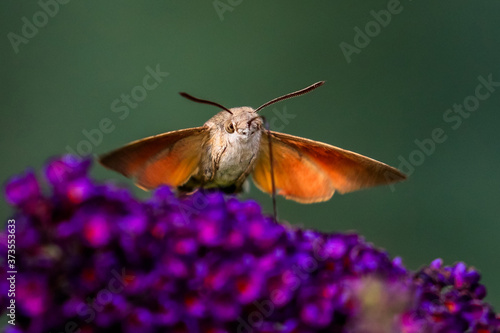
(244, 121)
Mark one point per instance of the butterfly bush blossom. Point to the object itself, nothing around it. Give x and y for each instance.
(92, 258)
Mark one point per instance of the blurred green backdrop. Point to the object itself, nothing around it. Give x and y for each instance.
(70, 75)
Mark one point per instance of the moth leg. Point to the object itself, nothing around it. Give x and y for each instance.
(190, 186)
(240, 181)
(215, 165)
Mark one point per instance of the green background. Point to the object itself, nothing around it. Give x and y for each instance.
(395, 91)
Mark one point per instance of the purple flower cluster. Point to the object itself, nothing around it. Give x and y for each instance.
(91, 258)
(450, 300)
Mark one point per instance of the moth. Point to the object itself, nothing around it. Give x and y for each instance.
(234, 144)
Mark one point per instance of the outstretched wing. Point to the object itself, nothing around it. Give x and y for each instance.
(169, 158)
(310, 171)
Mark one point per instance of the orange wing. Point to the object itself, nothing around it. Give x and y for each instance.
(169, 158)
(309, 171)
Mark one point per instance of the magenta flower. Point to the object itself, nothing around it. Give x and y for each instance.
(91, 257)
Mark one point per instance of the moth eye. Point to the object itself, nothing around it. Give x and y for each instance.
(229, 127)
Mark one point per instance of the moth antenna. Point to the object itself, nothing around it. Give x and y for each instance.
(273, 184)
(290, 95)
(203, 101)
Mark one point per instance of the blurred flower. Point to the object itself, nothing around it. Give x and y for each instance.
(92, 257)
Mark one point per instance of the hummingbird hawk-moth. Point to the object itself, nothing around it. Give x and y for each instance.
(233, 145)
